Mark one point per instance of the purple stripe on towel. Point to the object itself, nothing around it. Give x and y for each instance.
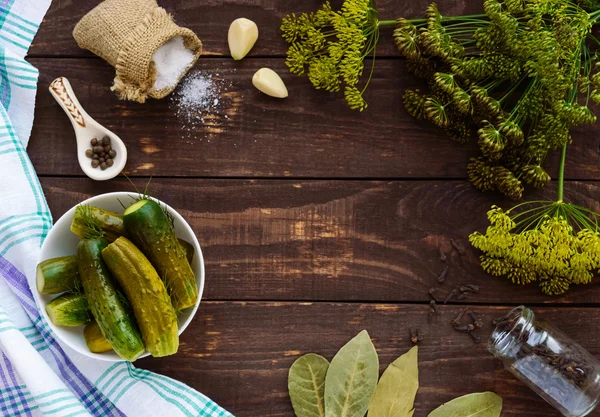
(13, 378)
(91, 397)
(18, 281)
(15, 278)
(4, 381)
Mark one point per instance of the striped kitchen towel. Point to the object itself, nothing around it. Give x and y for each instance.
(38, 375)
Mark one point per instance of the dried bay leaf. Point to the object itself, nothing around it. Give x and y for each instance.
(352, 378)
(483, 404)
(397, 388)
(306, 385)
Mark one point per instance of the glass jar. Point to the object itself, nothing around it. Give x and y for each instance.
(548, 361)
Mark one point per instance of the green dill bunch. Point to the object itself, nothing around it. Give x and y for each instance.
(554, 244)
(517, 79)
(330, 47)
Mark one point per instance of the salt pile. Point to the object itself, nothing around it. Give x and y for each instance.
(171, 60)
(198, 101)
(197, 92)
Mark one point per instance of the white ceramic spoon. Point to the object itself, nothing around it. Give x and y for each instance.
(86, 129)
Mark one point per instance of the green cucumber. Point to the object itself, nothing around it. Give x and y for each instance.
(188, 248)
(111, 224)
(116, 324)
(94, 340)
(150, 229)
(57, 275)
(69, 310)
(147, 295)
(89, 218)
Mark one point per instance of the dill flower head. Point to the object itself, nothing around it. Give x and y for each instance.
(481, 174)
(521, 76)
(330, 46)
(414, 103)
(555, 244)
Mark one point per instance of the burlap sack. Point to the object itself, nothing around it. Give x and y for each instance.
(126, 33)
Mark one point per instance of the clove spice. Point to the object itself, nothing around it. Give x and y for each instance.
(443, 275)
(500, 319)
(451, 295)
(459, 248)
(462, 296)
(505, 321)
(415, 336)
(432, 295)
(430, 315)
(476, 320)
(556, 366)
(469, 288)
(433, 310)
(475, 336)
(442, 255)
(458, 318)
(469, 328)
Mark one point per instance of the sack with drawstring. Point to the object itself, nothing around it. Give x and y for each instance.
(126, 33)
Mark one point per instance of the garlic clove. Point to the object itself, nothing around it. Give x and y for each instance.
(267, 81)
(242, 36)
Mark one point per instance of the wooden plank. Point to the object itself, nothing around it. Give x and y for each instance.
(239, 353)
(334, 240)
(210, 21)
(310, 134)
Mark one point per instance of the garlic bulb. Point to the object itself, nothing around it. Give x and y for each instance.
(242, 36)
(267, 81)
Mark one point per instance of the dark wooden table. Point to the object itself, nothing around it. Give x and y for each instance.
(316, 221)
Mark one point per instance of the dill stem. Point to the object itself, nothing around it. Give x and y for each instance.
(594, 16)
(516, 216)
(384, 23)
(561, 174)
(472, 17)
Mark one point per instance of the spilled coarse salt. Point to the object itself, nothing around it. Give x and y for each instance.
(171, 60)
(199, 102)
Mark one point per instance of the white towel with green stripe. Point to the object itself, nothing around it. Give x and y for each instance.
(38, 375)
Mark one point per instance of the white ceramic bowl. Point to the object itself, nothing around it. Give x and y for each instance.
(62, 242)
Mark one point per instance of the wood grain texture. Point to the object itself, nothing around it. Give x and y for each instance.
(210, 20)
(315, 221)
(311, 134)
(334, 240)
(239, 353)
